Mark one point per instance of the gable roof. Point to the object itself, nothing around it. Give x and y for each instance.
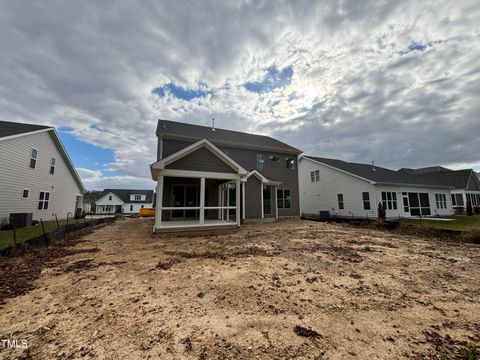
(379, 175)
(458, 179)
(124, 195)
(167, 128)
(12, 128)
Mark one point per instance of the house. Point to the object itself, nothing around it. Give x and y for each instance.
(36, 174)
(349, 189)
(123, 201)
(208, 177)
(465, 184)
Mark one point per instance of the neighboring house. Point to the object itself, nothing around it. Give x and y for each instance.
(349, 189)
(123, 201)
(36, 174)
(465, 184)
(215, 177)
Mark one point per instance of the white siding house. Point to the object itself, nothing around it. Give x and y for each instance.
(36, 174)
(123, 201)
(355, 190)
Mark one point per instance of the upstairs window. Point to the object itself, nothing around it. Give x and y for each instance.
(283, 199)
(274, 158)
(260, 161)
(138, 197)
(290, 162)
(341, 204)
(110, 198)
(43, 200)
(315, 176)
(52, 165)
(366, 200)
(25, 193)
(33, 159)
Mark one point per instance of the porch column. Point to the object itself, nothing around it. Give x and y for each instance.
(158, 212)
(202, 201)
(228, 201)
(237, 201)
(276, 202)
(261, 198)
(219, 201)
(243, 200)
(223, 200)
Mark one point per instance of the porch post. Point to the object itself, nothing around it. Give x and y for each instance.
(219, 202)
(261, 198)
(237, 201)
(243, 200)
(276, 202)
(228, 201)
(222, 202)
(202, 201)
(158, 213)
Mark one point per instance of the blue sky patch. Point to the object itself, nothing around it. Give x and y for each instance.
(180, 92)
(273, 79)
(415, 46)
(85, 155)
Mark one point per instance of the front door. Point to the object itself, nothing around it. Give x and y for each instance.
(267, 200)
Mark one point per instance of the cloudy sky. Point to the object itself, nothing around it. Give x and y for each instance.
(397, 82)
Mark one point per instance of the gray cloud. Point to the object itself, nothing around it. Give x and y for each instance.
(358, 90)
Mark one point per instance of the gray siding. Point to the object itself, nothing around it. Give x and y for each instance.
(473, 183)
(16, 175)
(253, 198)
(247, 158)
(201, 160)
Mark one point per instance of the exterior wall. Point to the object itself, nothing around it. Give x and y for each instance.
(16, 175)
(431, 197)
(247, 158)
(322, 195)
(104, 201)
(136, 207)
(253, 198)
(201, 160)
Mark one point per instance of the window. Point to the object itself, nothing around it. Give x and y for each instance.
(419, 204)
(138, 197)
(406, 207)
(389, 200)
(260, 161)
(315, 175)
(131, 207)
(473, 198)
(43, 200)
(290, 162)
(312, 176)
(283, 199)
(25, 194)
(457, 200)
(52, 165)
(441, 201)
(110, 198)
(274, 158)
(340, 201)
(141, 206)
(366, 200)
(33, 159)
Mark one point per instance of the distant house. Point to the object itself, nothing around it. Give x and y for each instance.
(465, 184)
(349, 189)
(123, 201)
(36, 174)
(208, 177)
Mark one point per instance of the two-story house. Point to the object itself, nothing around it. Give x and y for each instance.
(209, 177)
(36, 174)
(123, 201)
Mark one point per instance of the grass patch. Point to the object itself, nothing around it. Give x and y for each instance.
(461, 223)
(27, 233)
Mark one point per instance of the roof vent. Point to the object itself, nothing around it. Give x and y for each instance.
(213, 124)
(373, 166)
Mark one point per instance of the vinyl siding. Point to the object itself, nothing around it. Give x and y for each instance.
(16, 175)
(201, 160)
(253, 198)
(247, 158)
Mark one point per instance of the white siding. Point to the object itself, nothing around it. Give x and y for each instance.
(322, 195)
(136, 207)
(16, 175)
(104, 201)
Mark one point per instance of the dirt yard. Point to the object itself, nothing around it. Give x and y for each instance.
(292, 289)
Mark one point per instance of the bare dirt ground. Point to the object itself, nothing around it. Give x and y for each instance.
(292, 289)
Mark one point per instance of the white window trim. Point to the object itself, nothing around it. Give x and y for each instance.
(54, 166)
(25, 198)
(43, 201)
(33, 158)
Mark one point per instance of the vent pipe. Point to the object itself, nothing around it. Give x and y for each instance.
(213, 124)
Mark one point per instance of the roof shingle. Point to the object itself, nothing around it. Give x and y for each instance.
(12, 128)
